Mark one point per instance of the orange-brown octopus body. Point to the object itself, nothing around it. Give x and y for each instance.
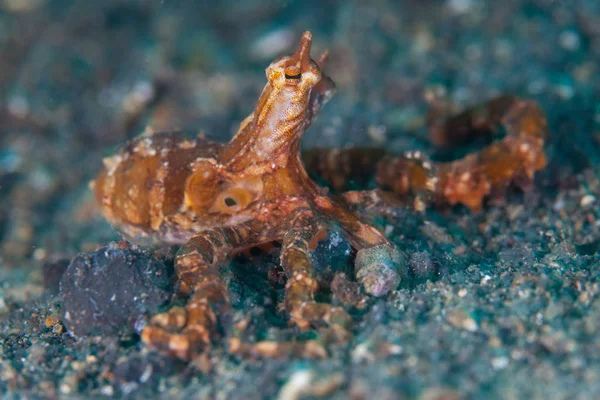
(217, 199)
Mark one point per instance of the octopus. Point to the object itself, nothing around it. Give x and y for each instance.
(216, 200)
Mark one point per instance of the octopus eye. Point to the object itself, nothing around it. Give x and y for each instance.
(230, 201)
(292, 73)
(297, 76)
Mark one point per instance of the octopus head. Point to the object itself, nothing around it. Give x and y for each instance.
(297, 71)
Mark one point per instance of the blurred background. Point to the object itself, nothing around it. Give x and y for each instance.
(79, 78)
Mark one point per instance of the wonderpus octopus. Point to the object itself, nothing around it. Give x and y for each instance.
(217, 199)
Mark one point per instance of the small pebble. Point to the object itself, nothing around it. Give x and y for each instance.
(439, 393)
(362, 353)
(3, 307)
(305, 383)
(107, 390)
(500, 362)
(296, 386)
(52, 320)
(587, 200)
(377, 133)
(565, 90)
(57, 329)
(272, 44)
(569, 40)
(18, 107)
(39, 254)
(460, 6)
(459, 319)
(142, 93)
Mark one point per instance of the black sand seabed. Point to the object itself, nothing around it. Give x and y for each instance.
(498, 304)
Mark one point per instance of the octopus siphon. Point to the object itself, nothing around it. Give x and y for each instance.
(218, 199)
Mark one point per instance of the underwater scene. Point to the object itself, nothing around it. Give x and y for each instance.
(286, 199)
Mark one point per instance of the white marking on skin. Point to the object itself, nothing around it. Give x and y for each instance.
(145, 147)
(431, 183)
(200, 160)
(187, 144)
(414, 155)
(419, 205)
(111, 164)
(157, 197)
(237, 219)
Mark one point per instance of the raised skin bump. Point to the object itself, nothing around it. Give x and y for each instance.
(218, 199)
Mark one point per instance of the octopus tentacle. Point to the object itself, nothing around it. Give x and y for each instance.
(468, 181)
(197, 265)
(513, 159)
(302, 285)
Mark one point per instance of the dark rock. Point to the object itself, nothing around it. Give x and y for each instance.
(53, 271)
(111, 289)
